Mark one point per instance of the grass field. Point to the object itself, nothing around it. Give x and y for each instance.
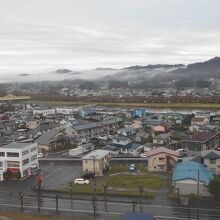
(132, 105)
(126, 185)
(133, 181)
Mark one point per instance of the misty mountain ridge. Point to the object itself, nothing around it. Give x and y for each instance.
(135, 74)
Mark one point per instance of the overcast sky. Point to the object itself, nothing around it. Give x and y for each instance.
(43, 35)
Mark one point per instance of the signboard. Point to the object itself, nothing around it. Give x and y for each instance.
(14, 170)
(39, 180)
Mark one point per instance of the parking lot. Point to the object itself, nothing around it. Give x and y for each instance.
(57, 175)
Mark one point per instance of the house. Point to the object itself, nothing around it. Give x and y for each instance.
(18, 160)
(162, 140)
(129, 131)
(199, 120)
(46, 140)
(132, 149)
(139, 113)
(121, 140)
(137, 123)
(125, 146)
(93, 129)
(32, 123)
(211, 159)
(162, 159)
(96, 162)
(85, 112)
(81, 149)
(190, 177)
(160, 129)
(201, 141)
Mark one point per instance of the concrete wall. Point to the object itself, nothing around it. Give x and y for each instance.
(188, 186)
(157, 165)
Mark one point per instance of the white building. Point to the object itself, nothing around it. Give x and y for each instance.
(44, 111)
(67, 111)
(18, 159)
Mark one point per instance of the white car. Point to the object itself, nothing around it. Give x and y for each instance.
(143, 155)
(81, 181)
(40, 155)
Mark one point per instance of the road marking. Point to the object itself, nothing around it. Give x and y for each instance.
(48, 167)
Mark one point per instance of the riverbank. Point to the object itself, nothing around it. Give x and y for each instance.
(211, 106)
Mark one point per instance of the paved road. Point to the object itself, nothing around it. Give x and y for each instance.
(113, 208)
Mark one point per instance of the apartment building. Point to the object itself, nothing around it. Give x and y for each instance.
(18, 160)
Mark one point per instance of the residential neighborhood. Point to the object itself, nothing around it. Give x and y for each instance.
(111, 145)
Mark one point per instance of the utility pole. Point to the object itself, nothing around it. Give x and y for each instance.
(141, 190)
(105, 195)
(57, 198)
(71, 198)
(94, 193)
(21, 199)
(189, 204)
(94, 205)
(39, 183)
(178, 194)
(134, 205)
(38, 198)
(197, 213)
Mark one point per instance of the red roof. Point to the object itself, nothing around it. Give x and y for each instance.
(202, 137)
(162, 150)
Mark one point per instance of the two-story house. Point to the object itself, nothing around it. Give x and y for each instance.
(211, 158)
(96, 162)
(161, 159)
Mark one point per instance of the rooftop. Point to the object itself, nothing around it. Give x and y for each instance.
(96, 154)
(15, 145)
(202, 137)
(162, 150)
(211, 154)
(190, 169)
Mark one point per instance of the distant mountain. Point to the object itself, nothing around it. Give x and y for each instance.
(153, 66)
(195, 71)
(167, 73)
(63, 71)
(141, 73)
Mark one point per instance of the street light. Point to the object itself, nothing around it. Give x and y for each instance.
(178, 194)
(94, 193)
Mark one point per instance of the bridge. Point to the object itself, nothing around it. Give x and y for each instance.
(11, 97)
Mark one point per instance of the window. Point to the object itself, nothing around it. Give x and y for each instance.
(13, 163)
(212, 161)
(33, 149)
(25, 152)
(12, 154)
(2, 154)
(213, 170)
(34, 157)
(26, 161)
(161, 158)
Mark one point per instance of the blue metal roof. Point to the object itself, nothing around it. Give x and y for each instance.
(189, 170)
